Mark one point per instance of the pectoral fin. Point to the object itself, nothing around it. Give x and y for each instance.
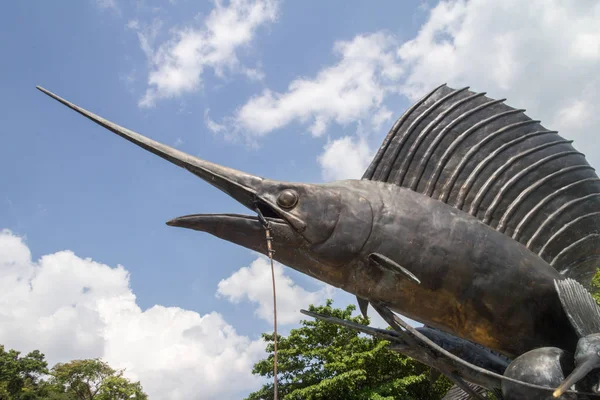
(390, 265)
(579, 305)
(363, 305)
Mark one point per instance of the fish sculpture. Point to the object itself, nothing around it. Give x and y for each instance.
(466, 216)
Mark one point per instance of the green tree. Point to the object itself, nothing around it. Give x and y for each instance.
(95, 380)
(595, 288)
(321, 360)
(28, 378)
(20, 377)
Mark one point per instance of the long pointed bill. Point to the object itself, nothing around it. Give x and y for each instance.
(578, 373)
(237, 184)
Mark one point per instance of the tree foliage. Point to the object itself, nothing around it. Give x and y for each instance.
(595, 287)
(321, 360)
(20, 376)
(95, 380)
(28, 378)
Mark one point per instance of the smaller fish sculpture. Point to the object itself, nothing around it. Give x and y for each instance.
(476, 370)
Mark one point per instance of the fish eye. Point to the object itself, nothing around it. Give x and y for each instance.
(287, 199)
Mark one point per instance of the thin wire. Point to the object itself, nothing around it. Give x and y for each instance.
(267, 226)
(270, 251)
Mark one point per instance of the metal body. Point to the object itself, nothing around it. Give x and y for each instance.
(466, 270)
(462, 292)
(463, 221)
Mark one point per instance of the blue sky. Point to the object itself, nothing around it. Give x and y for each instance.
(78, 188)
(297, 91)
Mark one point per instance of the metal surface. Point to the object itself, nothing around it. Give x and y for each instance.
(547, 366)
(463, 221)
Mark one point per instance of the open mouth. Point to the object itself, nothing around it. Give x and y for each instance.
(201, 222)
(244, 230)
(267, 211)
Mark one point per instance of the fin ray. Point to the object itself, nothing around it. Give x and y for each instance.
(579, 305)
(389, 264)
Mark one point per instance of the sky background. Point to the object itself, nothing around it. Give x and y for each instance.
(297, 91)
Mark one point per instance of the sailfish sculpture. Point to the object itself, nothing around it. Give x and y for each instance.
(464, 219)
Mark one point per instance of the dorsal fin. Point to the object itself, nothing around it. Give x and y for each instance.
(497, 164)
(580, 307)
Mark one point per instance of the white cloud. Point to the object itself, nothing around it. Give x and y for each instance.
(109, 5)
(380, 117)
(133, 24)
(254, 283)
(212, 126)
(543, 55)
(348, 91)
(177, 65)
(345, 158)
(69, 307)
(147, 34)
(254, 74)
